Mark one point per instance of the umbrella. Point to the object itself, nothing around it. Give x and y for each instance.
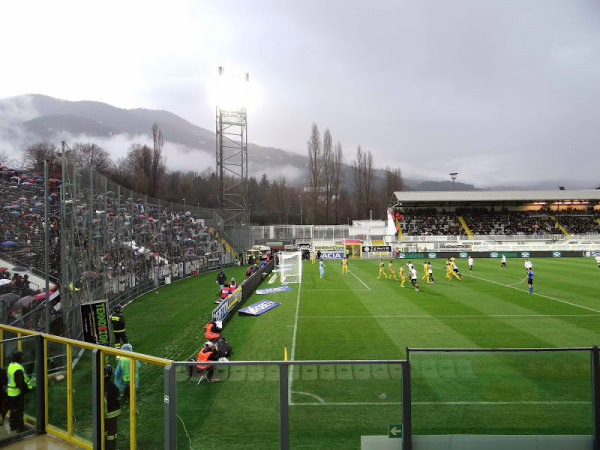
(24, 302)
(154, 254)
(3, 269)
(11, 207)
(41, 295)
(150, 219)
(38, 204)
(19, 269)
(88, 274)
(4, 281)
(8, 243)
(15, 212)
(22, 199)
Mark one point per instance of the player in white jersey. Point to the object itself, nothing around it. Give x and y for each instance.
(528, 265)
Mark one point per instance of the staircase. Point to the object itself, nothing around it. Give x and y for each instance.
(466, 228)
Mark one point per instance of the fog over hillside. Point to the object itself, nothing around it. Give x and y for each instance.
(28, 119)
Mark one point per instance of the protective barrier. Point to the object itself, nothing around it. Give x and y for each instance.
(496, 396)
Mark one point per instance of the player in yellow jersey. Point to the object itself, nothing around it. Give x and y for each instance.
(402, 275)
(381, 269)
(425, 273)
(313, 257)
(449, 271)
(391, 272)
(344, 266)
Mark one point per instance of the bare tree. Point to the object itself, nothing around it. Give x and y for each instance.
(91, 155)
(358, 170)
(327, 159)
(336, 179)
(138, 163)
(158, 167)
(314, 171)
(35, 155)
(368, 179)
(392, 182)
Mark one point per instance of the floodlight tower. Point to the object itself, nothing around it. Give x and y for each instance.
(232, 153)
(453, 175)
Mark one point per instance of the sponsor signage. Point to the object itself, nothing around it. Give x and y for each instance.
(411, 255)
(258, 308)
(432, 255)
(524, 254)
(499, 254)
(329, 247)
(333, 255)
(463, 255)
(377, 248)
(227, 305)
(556, 254)
(95, 322)
(273, 290)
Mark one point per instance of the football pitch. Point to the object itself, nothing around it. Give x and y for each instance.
(356, 316)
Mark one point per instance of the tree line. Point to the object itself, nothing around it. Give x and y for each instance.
(331, 197)
(334, 192)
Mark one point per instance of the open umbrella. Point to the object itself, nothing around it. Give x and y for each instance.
(40, 296)
(4, 281)
(19, 269)
(88, 273)
(24, 302)
(3, 269)
(8, 243)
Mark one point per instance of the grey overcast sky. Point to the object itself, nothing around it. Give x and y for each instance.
(499, 91)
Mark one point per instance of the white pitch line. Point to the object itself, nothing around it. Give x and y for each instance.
(540, 295)
(458, 316)
(566, 402)
(334, 289)
(352, 273)
(293, 350)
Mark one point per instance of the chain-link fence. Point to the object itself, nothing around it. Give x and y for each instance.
(105, 242)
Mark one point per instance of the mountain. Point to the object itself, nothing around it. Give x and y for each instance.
(28, 119)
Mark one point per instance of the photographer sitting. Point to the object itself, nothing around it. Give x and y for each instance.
(212, 330)
(208, 353)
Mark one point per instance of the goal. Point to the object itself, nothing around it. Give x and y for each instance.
(290, 267)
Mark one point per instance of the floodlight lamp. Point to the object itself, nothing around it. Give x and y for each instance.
(232, 90)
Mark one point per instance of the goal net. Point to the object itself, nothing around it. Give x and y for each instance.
(290, 267)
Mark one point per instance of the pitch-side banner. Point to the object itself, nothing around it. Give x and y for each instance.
(333, 255)
(95, 322)
(256, 309)
(377, 248)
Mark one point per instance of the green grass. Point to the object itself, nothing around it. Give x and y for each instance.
(357, 316)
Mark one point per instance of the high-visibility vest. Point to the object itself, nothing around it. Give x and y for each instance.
(209, 333)
(203, 357)
(224, 292)
(12, 390)
(124, 362)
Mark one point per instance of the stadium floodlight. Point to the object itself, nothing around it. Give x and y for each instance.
(453, 175)
(231, 90)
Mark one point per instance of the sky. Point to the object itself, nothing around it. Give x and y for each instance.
(499, 91)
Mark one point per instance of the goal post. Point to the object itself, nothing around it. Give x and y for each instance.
(290, 267)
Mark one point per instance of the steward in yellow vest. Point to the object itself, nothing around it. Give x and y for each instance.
(18, 384)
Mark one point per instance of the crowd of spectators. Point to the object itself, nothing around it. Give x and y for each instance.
(111, 243)
(483, 221)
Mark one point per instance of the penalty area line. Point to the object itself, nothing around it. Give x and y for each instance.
(362, 282)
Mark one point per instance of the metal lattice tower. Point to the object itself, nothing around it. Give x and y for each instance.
(232, 165)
